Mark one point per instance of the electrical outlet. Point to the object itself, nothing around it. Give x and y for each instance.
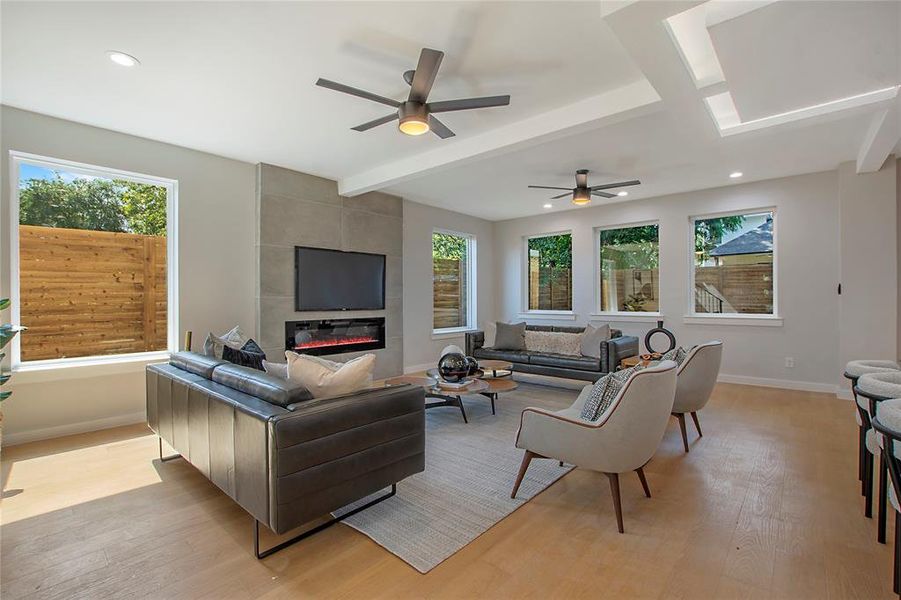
(789, 362)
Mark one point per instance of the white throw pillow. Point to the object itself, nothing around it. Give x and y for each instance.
(234, 339)
(276, 369)
(328, 378)
(554, 342)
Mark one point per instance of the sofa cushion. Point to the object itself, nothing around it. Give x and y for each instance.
(591, 339)
(582, 363)
(492, 354)
(326, 378)
(510, 336)
(248, 355)
(269, 388)
(605, 391)
(192, 362)
(549, 342)
(214, 345)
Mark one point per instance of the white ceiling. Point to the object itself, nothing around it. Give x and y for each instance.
(594, 85)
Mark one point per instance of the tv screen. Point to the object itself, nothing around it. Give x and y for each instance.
(336, 280)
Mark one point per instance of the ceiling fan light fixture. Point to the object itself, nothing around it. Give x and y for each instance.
(581, 197)
(413, 118)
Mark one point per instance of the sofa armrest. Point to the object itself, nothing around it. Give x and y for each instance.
(618, 349)
(474, 339)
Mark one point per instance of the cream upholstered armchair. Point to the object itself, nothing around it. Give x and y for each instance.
(622, 439)
(694, 383)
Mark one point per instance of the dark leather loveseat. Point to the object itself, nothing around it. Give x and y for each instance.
(285, 458)
(586, 368)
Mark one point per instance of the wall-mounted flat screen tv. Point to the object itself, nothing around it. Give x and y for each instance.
(336, 280)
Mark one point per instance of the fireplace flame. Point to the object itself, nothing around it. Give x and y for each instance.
(345, 341)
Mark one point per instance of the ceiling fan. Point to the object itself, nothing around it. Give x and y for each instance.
(581, 194)
(415, 114)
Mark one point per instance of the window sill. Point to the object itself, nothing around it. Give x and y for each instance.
(550, 315)
(755, 320)
(627, 317)
(82, 368)
(457, 332)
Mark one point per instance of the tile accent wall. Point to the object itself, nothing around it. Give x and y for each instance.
(296, 209)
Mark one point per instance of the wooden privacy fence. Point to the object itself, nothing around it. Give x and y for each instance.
(744, 288)
(549, 288)
(90, 293)
(448, 293)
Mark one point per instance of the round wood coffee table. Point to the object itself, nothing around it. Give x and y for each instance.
(498, 385)
(447, 396)
(498, 368)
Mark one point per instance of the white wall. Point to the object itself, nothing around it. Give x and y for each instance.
(809, 235)
(216, 265)
(420, 347)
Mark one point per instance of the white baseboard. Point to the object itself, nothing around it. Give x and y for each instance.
(786, 384)
(21, 437)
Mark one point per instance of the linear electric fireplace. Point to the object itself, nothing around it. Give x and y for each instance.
(335, 336)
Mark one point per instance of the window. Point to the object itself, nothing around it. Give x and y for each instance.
(453, 284)
(550, 272)
(91, 252)
(629, 260)
(733, 264)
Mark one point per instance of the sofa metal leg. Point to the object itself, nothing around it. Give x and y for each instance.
(167, 458)
(315, 530)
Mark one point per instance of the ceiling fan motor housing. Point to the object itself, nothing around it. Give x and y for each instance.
(412, 111)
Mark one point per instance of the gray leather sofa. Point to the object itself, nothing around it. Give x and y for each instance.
(586, 368)
(285, 458)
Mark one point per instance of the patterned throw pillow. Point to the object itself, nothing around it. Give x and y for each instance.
(677, 354)
(605, 391)
(554, 342)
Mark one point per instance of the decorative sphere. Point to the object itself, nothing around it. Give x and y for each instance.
(472, 365)
(453, 367)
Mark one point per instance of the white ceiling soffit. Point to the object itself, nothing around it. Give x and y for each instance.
(795, 61)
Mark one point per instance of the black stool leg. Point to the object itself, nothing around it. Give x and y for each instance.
(883, 499)
(861, 449)
(868, 487)
(897, 570)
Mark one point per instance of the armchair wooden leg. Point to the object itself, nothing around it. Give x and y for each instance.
(644, 481)
(694, 417)
(681, 418)
(617, 503)
(526, 459)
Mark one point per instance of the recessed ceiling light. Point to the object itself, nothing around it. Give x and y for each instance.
(549, 205)
(622, 193)
(735, 174)
(122, 59)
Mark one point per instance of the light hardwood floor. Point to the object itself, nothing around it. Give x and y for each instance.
(766, 505)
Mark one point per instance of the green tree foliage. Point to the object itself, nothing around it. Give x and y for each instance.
(553, 250)
(445, 245)
(94, 204)
(709, 234)
(631, 247)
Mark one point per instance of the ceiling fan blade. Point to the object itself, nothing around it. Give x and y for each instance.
(582, 178)
(346, 89)
(424, 77)
(439, 128)
(548, 187)
(468, 103)
(607, 186)
(562, 196)
(603, 194)
(375, 123)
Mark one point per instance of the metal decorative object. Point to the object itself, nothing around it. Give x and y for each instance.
(472, 365)
(659, 329)
(453, 367)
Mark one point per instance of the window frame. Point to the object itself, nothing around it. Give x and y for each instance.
(637, 315)
(16, 159)
(471, 292)
(526, 312)
(693, 317)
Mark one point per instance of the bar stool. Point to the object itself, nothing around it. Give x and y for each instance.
(853, 371)
(871, 390)
(888, 424)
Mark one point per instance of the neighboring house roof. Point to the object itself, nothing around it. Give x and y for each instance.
(756, 241)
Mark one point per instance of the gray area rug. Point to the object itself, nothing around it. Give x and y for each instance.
(465, 488)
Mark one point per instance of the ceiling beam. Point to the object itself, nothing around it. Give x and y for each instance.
(879, 141)
(629, 101)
